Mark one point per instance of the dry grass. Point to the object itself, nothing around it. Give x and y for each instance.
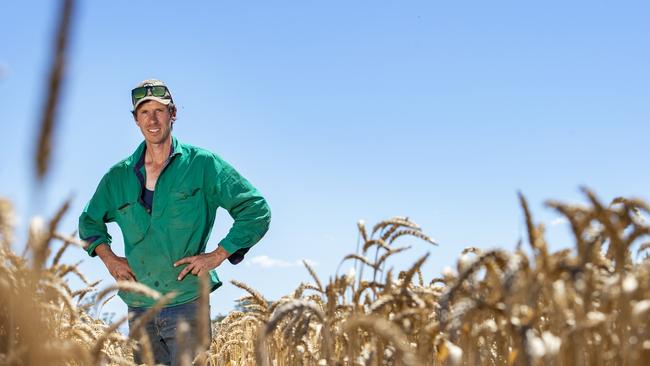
(43, 321)
(583, 306)
(55, 82)
(580, 306)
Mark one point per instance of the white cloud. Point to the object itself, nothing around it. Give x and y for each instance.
(264, 261)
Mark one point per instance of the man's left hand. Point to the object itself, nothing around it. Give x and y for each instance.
(202, 263)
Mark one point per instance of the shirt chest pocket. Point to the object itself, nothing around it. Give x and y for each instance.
(133, 221)
(186, 207)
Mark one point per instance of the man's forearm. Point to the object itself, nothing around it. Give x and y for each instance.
(105, 252)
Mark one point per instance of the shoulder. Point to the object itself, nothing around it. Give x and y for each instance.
(118, 170)
(194, 151)
(119, 167)
(201, 155)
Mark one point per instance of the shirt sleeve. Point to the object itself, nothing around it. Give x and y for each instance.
(238, 256)
(245, 204)
(93, 219)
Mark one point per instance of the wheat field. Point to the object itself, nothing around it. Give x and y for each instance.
(586, 305)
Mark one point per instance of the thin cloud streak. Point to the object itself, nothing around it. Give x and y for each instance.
(264, 261)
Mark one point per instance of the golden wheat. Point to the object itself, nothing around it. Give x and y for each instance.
(586, 305)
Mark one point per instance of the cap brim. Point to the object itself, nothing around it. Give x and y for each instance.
(148, 98)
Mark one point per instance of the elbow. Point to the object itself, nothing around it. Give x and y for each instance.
(266, 217)
(262, 218)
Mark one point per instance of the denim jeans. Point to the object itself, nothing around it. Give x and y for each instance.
(162, 331)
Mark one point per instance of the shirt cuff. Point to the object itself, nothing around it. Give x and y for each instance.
(238, 256)
(94, 242)
(236, 252)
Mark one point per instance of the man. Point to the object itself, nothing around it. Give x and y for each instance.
(164, 197)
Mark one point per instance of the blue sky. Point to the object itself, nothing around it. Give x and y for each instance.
(339, 111)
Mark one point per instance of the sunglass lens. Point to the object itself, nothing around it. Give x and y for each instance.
(139, 93)
(158, 91)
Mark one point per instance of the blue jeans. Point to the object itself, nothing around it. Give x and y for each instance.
(162, 331)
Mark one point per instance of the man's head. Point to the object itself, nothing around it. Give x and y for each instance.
(153, 110)
(151, 89)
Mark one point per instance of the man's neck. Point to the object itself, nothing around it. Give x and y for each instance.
(158, 153)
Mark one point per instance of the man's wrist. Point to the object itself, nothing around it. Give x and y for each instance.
(221, 253)
(104, 252)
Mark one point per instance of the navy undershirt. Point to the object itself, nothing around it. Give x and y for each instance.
(147, 198)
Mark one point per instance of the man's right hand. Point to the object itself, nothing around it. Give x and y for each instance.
(118, 267)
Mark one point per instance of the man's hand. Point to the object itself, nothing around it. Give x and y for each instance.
(202, 263)
(118, 267)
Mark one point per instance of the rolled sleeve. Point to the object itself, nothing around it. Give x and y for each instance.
(245, 204)
(93, 219)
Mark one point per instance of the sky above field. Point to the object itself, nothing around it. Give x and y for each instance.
(339, 111)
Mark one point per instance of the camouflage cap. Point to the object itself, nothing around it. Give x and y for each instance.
(165, 99)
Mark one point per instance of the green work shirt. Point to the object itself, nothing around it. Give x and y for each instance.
(190, 188)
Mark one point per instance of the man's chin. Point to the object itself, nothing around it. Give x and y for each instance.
(156, 139)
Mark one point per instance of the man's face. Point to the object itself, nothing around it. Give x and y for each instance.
(155, 121)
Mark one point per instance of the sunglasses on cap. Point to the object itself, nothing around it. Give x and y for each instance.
(159, 91)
